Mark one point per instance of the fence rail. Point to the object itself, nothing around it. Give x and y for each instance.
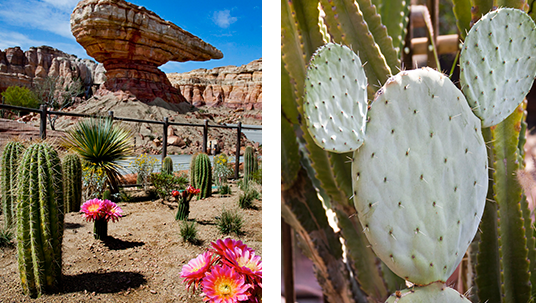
(44, 112)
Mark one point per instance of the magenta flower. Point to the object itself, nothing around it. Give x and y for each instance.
(224, 285)
(244, 262)
(195, 270)
(95, 209)
(111, 210)
(91, 209)
(220, 246)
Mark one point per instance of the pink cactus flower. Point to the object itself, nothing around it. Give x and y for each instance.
(224, 285)
(195, 270)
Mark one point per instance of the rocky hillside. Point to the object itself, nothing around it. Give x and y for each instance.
(229, 86)
(23, 68)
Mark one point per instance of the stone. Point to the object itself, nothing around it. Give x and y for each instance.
(229, 86)
(132, 42)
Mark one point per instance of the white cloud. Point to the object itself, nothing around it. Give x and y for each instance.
(223, 18)
(12, 39)
(52, 16)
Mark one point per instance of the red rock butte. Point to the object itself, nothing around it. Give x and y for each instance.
(132, 42)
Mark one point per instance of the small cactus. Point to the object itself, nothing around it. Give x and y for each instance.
(250, 164)
(72, 182)
(203, 175)
(192, 170)
(40, 220)
(167, 166)
(10, 160)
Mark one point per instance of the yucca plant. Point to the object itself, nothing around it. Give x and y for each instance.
(101, 143)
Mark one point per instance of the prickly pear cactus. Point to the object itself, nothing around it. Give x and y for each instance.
(498, 63)
(40, 219)
(420, 179)
(435, 292)
(9, 163)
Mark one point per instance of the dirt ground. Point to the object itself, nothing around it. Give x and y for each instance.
(142, 260)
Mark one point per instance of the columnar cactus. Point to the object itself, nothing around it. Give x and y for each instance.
(10, 161)
(203, 175)
(192, 170)
(250, 163)
(420, 165)
(40, 219)
(72, 182)
(167, 166)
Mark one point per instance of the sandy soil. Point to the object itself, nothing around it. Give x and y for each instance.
(142, 260)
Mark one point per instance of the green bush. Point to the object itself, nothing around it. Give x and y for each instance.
(245, 201)
(20, 96)
(225, 190)
(164, 184)
(230, 222)
(188, 232)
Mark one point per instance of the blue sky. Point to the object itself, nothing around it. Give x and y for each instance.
(234, 27)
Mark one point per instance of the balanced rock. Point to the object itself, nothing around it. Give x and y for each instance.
(132, 42)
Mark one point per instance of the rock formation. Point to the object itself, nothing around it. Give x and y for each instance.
(230, 86)
(132, 42)
(24, 68)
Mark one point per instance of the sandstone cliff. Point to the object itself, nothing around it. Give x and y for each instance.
(23, 68)
(229, 86)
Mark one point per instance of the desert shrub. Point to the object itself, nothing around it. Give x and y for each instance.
(188, 231)
(164, 184)
(6, 237)
(230, 222)
(20, 96)
(222, 171)
(122, 196)
(225, 189)
(93, 181)
(245, 200)
(143, 165)
(257, 176)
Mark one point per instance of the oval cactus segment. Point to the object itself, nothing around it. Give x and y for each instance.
(420, 179)
(335, 104)
(435, 292)
(498, 64)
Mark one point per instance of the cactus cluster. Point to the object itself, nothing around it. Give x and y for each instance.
(40, 219)
(9, 163)
(72, 182)
(167, 166)
(203, 175)
(420, 163)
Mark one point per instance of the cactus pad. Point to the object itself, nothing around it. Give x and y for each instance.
(498, 64)
(420, 179)
(335, 103)
(435, 292)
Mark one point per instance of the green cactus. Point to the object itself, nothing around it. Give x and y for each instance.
(9, 163)
(183, 210)
(40, 220)
(203, 175)
(250, 163)
(167, 166)
(192, 170)
(72, 182)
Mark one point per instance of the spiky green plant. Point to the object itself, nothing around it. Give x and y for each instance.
(101, 143)
(230, 221)
(192, 170)
(72, 182)
(188, 232)
(40, 215)
(203, 175)
(250, 164)
(167, 166)
(8, 172)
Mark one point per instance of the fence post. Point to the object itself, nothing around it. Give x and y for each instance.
(237, 156)
(111, 115)
(43, 124)
(205, 136)
(164, 138)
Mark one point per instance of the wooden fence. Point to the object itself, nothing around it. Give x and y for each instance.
(44, 112)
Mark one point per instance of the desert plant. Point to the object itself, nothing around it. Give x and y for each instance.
(192, 170)
(6, 237)
(250, 164)
(72, 182)
(222, 171)
(93, 181)
(184, 198)
(40, 200)
(225, 190)
(101, 143)
(101, 212)
(164, 184)
(331, 174)
(245, 200)
(203, 175)
(230, 221)
(188, 231)
(167, 166)
(8, 172)
(143, 166)
(20, 96)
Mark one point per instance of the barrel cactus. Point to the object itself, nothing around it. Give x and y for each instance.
(40, 220)
(10, 161)
(72, 182)
(420, 162)
(203, 175)
(167, 166)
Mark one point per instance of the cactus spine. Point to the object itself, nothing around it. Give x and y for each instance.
(203, 175)
(250, 163)
(72, 182)
(167, 166)
(40, 219)
(10, 159)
